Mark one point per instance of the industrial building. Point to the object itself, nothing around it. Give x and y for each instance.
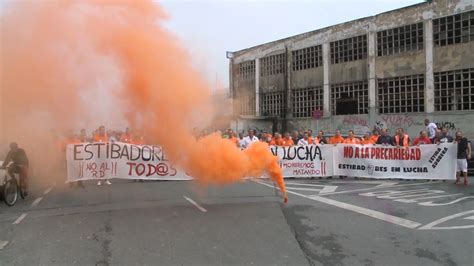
(390, 70)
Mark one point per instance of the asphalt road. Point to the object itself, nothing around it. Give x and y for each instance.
(326, 222)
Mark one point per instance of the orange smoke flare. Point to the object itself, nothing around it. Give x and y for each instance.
(70, 64)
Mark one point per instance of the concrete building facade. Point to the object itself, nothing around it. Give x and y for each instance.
(390, 70)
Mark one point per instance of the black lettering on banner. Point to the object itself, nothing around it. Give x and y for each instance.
(308, 152)
(124, 152)
(139, 151)
(115, 151)
(76, 152)
(148, 151)
(274, 150)
(86, 149)
(98, 148)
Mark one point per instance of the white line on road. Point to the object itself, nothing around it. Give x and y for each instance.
(432, 225)
(19, 219)
(371, 213)
(36, 202)
(3, 244)
(377, 187)
(195, 204)
(47, 191)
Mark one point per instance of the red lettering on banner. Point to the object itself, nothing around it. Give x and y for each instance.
(357, 152)
(130, 165)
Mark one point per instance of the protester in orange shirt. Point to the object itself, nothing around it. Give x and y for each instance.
(278, 139)
(101, 136)
(336, 139)
(375, 136)
(320, 139)
(234, 139)
(127, 136)
(310, 137)
(367, 140)
(351, 139)
(287, 141)
(401, 139)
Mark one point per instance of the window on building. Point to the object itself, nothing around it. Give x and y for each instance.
(246, 105)
(399, 40)
(350, 98)
(306, 58)
(246, 70)
(306, 100)
(454, 29)
(454, 90)
(272, 65)
(272, 104)
(401, 94)
(350, 49)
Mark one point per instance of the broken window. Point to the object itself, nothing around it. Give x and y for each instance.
(306, 58)
(454, 90)
(272, 104)
(306, 100)
(246, 70)
(401, 94)
(272, 65)
(399, 40)
(350, 49)
(350, 98)
(454, 29)
(246, 104)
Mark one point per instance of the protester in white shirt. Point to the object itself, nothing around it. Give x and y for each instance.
(304, 140)
(431, 128)
(247, 141)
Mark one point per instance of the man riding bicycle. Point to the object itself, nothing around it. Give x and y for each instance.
(20, 163)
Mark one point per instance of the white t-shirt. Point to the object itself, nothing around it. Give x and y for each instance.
(431, 128)
(247, 141)
(302, 142)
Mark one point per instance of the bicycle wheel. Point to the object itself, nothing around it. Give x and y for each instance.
(10, 192)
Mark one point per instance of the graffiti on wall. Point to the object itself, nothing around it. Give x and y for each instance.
(355, 121)
(449, 125)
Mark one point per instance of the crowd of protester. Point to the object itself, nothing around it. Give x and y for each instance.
(432, 135)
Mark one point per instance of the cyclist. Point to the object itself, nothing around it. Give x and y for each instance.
(20, 163)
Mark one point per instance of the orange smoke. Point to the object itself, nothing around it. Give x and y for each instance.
(71, 64)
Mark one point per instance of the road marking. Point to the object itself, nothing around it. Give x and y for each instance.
(36, 202)
(431, 226)
(19, 219)
(195, 204)
(377, 187)
(3, 244)
(47, 191)
(322, 189)
(371, 213)
(424, 198)
(469, 218)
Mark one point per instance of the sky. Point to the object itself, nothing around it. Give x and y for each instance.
(210, 28)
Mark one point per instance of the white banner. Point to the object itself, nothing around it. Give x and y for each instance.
(119, 160)
(418, 162)
(305, 161)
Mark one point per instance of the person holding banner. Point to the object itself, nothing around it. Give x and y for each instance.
(336, 139)
(401, 139)
(287, 141)
(304, 141)
(464, 154)
(375, 136)
(351, 139)
(367, 140)
(385, 139)
(422, 139)
(320, 139)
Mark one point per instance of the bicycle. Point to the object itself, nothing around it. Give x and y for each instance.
(11, 188)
